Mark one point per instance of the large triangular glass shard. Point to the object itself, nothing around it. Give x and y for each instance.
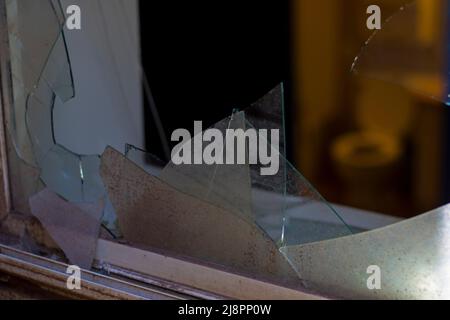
(292, 212)
(224, 185)
(411, 50)
(271, 194)
(308, 217)
(284, 203)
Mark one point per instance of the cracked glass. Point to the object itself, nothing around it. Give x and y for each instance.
(219, 214)
(408, 50)
(41, 78)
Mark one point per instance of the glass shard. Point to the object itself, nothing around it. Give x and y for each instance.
(413, 265)
(282, 204)
(154, 214)
(243, 189)
(285, 204)
(75, 228)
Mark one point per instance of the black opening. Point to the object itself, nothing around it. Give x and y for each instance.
(205, 58)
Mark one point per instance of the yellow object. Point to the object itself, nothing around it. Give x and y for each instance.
(366, 150)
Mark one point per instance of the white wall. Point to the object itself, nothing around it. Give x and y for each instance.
(107, 108)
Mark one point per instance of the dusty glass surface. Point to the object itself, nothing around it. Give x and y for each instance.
(412, 258)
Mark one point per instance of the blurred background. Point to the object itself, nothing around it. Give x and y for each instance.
(375, 139)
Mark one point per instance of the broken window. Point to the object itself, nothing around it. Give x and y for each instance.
(275, 227)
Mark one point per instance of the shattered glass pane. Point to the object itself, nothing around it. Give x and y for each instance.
(292, 211)
(268, 114)
(42, 72)
(275, 226)
(198, 208)
(286, 206)
(42, 79)
(224, 212)
(283, 203)
(39, 61)
(410, 50)
(308, 217)
(156, 215)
